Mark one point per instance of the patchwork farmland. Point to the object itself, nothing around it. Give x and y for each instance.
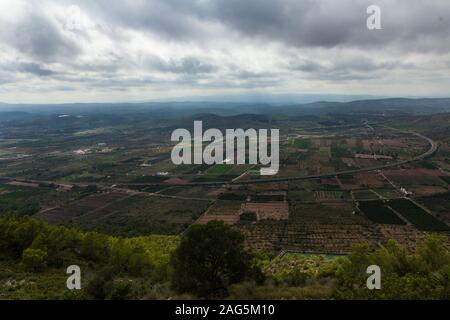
(338, 185)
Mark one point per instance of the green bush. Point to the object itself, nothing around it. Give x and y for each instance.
(34, 260)
(424, 274)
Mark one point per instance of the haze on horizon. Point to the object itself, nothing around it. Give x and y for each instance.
(104, 51)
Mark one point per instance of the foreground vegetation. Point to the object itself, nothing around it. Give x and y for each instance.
(209, 261)
(35, 255)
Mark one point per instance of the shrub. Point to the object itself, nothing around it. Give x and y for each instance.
(34, 259)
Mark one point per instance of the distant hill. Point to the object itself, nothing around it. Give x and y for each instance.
(186, 109)
(380, 106)
(421, 106)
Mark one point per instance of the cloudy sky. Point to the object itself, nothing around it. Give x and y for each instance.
(135, 50)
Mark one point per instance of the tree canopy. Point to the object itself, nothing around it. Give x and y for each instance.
(209, 258)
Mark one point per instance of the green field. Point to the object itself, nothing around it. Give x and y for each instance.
(418, 216)
(365, 195)
(233, 196)
(445, 178)
(379, 213)
(301, 195)
(338, 151)
(219, 169)
(222, 172)
(388, 193)
(303, 143)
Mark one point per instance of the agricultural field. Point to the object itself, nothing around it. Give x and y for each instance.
(269, 197)
(227, 211)
(301, 195)
(406, 235)
(190, 191)
(370, 180)
(418, 216)
(332, 228)
(128, 214)
(439, 205)
(416, 176)
(268, 210)
(302, 143)
(424, 190)
(225, 207)
(88, 205)
(387, 193)
(328, 195)
(379, 212)
(26, 199)
(238, 196)
(365, 195)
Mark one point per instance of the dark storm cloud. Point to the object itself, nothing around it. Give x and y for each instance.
(36, 36)
(407, 24)
(298, 23)
(330, 23)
